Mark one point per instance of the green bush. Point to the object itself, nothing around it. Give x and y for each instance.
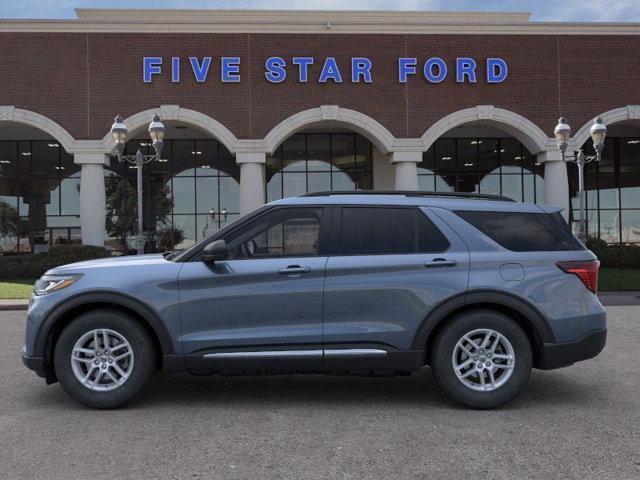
(615, 256)
(33, 266)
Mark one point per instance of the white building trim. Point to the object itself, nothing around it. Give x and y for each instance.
(382, 138)
(529, 134)
(9, 113)
(177, 113)
(617, 115)
(312, 21)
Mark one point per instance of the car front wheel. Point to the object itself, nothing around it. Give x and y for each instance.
(103, 358)
(482, 358)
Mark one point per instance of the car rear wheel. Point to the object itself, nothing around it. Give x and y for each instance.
(482, 358)
(103, 358)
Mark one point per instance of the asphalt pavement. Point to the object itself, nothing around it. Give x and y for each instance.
(578, 422)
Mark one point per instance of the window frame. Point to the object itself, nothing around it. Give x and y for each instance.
(336, 231)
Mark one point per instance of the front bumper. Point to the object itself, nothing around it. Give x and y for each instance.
(33, 363)
(557, 355)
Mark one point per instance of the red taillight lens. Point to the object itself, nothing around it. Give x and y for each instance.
(587, 272)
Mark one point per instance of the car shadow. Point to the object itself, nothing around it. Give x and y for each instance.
(419, 390)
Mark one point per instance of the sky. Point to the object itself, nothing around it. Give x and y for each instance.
(542, 10)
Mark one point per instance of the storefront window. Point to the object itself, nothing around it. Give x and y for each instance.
(612, 191)
(190, 194)
(313, 162)
(39, 196)
(500, 166)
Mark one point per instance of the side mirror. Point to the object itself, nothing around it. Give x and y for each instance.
(215, 251)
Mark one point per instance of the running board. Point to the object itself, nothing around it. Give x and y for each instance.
(332, 353)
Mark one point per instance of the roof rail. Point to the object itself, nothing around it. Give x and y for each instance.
(413, 193)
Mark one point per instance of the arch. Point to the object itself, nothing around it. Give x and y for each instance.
(177, 113)
(528, 133)
(617, 115)
(10, 113)
(382, 138)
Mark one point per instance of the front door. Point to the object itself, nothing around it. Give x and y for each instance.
(261, 308)
(389, 266)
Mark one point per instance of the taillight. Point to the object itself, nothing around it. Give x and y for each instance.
(587, 272)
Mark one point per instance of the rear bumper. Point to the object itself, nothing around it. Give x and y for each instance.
(557, 355)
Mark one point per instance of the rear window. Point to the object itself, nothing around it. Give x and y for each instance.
(388, 230)
(524, 232)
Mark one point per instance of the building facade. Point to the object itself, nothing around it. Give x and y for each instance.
(261, 105)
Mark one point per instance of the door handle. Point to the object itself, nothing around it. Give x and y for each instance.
(294, 269)
(440, 263)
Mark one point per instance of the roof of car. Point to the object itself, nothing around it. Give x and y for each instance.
(423, 199)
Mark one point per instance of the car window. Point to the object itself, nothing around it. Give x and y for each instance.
(283, 232)
(430, 239)
(523, 232)
(380, 230)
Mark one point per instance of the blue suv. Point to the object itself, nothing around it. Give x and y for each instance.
(478, 287)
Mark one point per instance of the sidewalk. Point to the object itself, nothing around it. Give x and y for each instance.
(608, 299)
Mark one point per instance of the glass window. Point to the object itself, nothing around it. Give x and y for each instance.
(312, 162)
(283, 232)
(523, 232)
(430, 239)
(378, 230)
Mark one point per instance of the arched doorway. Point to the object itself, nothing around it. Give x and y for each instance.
(319, 160)
(192, 192)
(484, 159)
(39, 190)
(612, 185)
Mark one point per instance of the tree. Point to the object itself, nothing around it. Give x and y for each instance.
(122, 211)
(9, 222)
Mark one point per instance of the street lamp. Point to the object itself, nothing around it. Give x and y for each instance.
(156, 132)
(562, 133)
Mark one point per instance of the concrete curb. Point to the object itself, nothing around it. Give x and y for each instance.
(10, 305)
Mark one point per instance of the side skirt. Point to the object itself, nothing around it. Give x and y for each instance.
(334, 359)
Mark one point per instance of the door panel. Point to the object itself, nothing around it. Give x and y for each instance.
(265, 299)
(383, 299)
(250, 303)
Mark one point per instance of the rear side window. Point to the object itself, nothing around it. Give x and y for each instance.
(524, 232)
(385, 230)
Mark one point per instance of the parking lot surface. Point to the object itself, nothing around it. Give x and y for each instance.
(578, 422)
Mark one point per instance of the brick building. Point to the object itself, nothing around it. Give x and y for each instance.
(261, 105)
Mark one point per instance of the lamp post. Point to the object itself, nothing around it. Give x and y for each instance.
(562, 133)
(156, 132)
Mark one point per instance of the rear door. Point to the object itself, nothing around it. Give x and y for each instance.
(389, 266)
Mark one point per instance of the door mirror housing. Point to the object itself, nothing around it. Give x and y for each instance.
(215, 251)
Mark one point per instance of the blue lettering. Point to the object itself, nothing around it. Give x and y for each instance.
(465, 67)
(428, 70)
(330, 71)
(406, 66)
(200, 71)
(230, 69)
(360, 67)
(175, 69)
(150, 66)
(496, 70)
(303, 67)
(276, 72)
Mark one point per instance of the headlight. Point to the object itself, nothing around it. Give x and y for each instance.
(50, 283)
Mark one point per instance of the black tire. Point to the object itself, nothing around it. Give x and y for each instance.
(443, 349)
(142, 345)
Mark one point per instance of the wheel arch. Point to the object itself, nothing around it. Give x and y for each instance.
(77, 305)
(528, 317)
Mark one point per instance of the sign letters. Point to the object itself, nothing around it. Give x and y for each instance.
(326, 70)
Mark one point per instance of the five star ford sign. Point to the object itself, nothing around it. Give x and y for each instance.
(361, 69)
